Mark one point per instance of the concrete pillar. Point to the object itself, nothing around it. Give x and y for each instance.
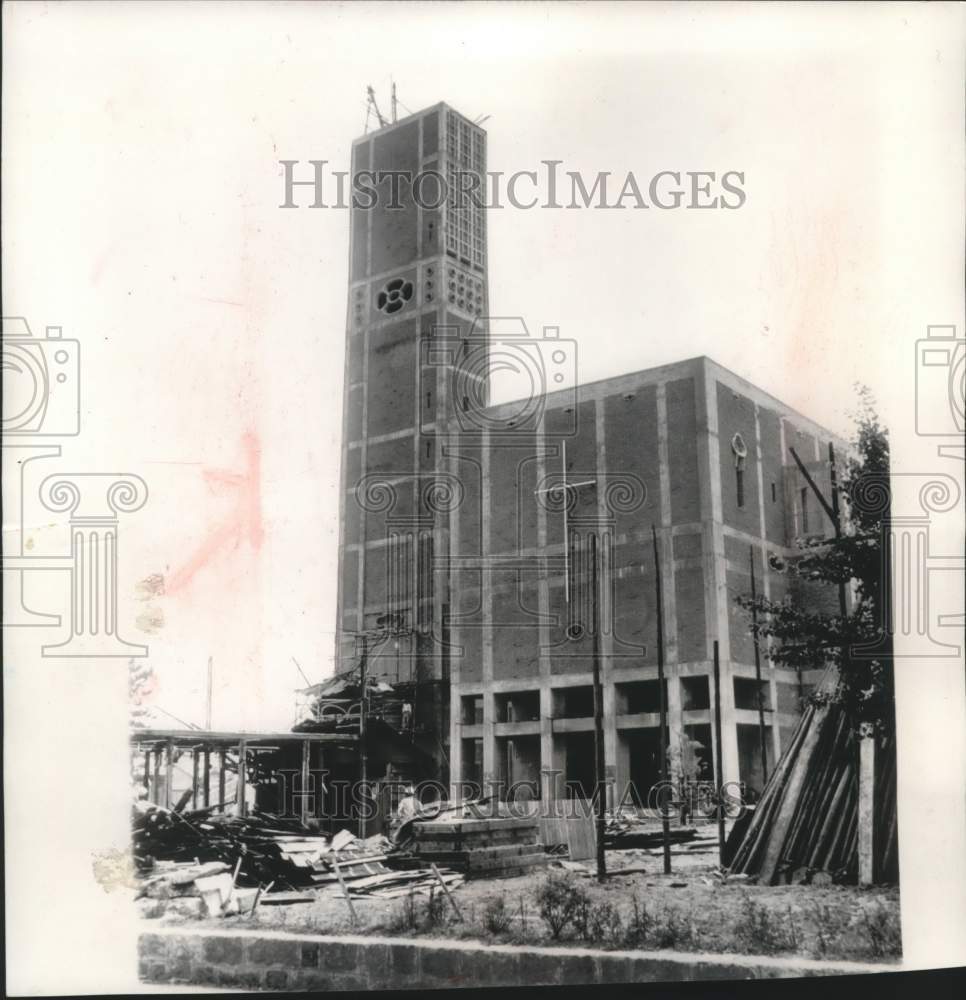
(675, 724)
(607, 611)
(716, 584)
(548, 786)
(866, 810)
(491, 768)
(548, 790)
(455, 737)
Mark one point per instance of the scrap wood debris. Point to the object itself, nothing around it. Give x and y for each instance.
(193, 889)
(622, 831)
(394, 884)
(270, 848)
(205, 863)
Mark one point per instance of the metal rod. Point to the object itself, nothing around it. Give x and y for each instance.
(211, 670)
(761, 705)
(601, 788)
(718, 778)
(363, 741)
(659, 599)
(566, 531)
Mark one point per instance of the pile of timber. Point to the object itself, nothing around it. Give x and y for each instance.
(267, 849)
(395, 884)
(189, 889)
(489, 847)
(623, 834)
(805, 826)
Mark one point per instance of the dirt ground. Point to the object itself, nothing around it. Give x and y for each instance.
(692, 909)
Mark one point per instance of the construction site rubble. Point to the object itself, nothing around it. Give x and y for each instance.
(207, 864)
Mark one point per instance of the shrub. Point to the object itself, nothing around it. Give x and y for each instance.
(670, 929)
(561, 899)
(406, 918)
(882, 929)
(496, 917)
(830, 928)
(638, 925)
(759, 930)
(603, 925)
(435, 909)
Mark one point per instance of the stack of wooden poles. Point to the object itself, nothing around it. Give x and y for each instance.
(806, 821)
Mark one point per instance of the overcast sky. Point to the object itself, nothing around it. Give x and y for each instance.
(141, 194)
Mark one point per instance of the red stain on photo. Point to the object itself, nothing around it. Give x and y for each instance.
(243, 523)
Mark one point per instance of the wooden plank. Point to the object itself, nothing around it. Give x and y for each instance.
(469, 826)
(497, 864)
(304, 811)
(578, 833)
(156, 796)
(206, 794)
(242, 778)
(508, 850)
(345, 893)
(194, 777)
(449, 895)
(227, 739)
(222, 756)
(168, 773)
(866, 815)
(421, 847)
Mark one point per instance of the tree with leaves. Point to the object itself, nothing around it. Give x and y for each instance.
(804, 635)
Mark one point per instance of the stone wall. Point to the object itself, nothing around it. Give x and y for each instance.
(275, 960)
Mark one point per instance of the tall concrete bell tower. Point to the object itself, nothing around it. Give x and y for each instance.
(417, 284)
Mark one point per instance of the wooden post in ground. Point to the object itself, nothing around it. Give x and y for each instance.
(718, 776)
(363, 738)
(866, 818)
(156, 797)
(147, 772)
(761, 703)
(661, 681)
(449, 895)
(320, 803)
(866, 764)
(306, 778)
(194, 777)
(168, 774)
(601, 788)
(345, 892)
(866, 807)
(222, 759)
(206, 793)
(242, 778)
